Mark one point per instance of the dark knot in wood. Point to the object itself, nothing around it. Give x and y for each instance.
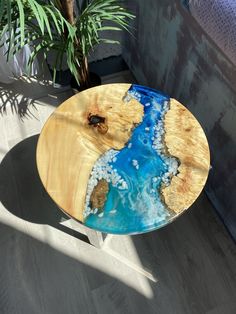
(98, 122)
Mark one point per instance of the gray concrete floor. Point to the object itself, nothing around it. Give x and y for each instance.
(47, 267)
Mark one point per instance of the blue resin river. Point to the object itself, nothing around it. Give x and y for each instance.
(138, 207)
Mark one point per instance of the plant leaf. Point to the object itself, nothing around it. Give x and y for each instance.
(22, 21)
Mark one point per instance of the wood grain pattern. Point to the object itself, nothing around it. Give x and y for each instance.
(185, 139)
(68, 147)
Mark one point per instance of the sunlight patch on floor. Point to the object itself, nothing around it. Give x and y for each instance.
(125, 268)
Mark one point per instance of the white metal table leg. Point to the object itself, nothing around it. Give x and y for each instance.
(95, 238)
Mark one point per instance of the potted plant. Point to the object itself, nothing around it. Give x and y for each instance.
(70, 28)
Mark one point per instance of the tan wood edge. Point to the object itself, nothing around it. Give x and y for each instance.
(185, 140)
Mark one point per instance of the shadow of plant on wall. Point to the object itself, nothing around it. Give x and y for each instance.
(20, 96)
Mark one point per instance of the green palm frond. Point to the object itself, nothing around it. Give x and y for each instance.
(36, 23)
(94, 18)
(42, 25)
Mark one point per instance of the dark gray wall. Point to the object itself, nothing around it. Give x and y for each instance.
(172, 53)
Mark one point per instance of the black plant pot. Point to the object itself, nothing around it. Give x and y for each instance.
(95, 80)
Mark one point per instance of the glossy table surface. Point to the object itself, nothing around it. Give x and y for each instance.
(123, 158)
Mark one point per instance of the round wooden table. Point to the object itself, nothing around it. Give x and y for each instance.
(123, 158)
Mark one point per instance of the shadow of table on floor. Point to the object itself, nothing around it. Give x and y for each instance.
(21, 190)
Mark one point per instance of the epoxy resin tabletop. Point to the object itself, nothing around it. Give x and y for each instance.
(123, 158)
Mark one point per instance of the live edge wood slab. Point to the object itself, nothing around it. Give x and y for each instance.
(69, 147)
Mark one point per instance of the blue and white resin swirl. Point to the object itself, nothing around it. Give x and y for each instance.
(135, 173)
